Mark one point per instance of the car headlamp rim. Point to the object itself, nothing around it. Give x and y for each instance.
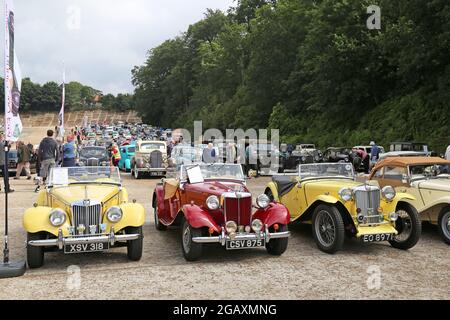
(57, 217)
(388, 193)
(262, 201)
(213, 203)
(114, 214)
(346, 194)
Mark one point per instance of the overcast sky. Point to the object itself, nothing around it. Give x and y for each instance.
(99, 40)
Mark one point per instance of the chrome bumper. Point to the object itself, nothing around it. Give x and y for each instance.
(60, 242)
(151, 169)
(222, 239)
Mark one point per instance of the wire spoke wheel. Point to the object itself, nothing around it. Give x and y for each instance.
(403, 225)
(187, 239)
(325, 228)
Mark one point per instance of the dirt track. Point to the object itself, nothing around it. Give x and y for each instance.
(302, 272)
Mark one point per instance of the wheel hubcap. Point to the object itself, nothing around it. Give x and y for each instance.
(187, 239)
(325, 228)
(403, 226)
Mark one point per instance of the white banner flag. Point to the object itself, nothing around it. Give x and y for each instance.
(61, 113)
(13, 79)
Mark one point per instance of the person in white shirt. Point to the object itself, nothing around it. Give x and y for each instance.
(447, 153)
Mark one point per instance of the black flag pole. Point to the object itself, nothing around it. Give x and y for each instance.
(8, 269)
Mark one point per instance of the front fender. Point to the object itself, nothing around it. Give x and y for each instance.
(133, 216)
(127, 164)
(327, 199)
(37, 220)
(273, 188)
(199, 218)
(275, 213)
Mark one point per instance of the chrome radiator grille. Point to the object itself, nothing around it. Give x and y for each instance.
(369, 203)
(88, 215)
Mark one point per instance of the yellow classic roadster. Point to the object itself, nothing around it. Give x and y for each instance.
(327, 196)
(83, 209)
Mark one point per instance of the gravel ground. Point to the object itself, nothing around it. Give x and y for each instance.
(303, 272)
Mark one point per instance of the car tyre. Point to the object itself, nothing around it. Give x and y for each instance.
(328, 228)
(136, 173)
(444, 225)
(35, 255)
(158, 225)
(409, 227)
(277, 247)
(134, 247)
(191, 251)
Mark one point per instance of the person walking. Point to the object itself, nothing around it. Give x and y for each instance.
(48, 154)
(24, 158)
(69, 152)
(374, 153)
(116, 156)
(2, 164)
(447, 157)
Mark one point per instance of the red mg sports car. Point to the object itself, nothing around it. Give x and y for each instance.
(212, 204)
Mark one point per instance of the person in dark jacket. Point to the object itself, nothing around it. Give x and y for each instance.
(2, 164)
(48, 154)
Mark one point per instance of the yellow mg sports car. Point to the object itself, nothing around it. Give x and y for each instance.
(328, 196)
(83, 209)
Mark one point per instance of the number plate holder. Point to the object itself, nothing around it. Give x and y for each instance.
(368, 238)
(245, 244)
(86, 247)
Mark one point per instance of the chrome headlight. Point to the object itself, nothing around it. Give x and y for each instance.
(257, 225)
(212, 203)
(346, 194)
(388, 193)
(262, 201)
(57, 217)
(231, 227)
(114, 214)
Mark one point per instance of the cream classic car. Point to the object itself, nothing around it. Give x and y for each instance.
(150, 158)
(427, 179)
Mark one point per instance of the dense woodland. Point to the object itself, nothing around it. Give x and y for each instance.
(47, 97)
(310, 68)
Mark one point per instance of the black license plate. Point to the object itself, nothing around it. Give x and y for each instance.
(158, 174)
(86, 247)
(245, 244)
(378, 237)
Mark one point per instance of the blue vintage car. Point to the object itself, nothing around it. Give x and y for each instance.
(126, 154)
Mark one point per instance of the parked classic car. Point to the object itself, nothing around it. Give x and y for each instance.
(427, 179)
(407, 149)
(337, 154)
(327, 196)
(93, 156)
(126, 156)
(151, 158)
(300, 154)
(212, 204)
(184, 155)
(83, 209)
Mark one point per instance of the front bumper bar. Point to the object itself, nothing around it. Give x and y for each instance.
(222, 239)
(60, 242)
